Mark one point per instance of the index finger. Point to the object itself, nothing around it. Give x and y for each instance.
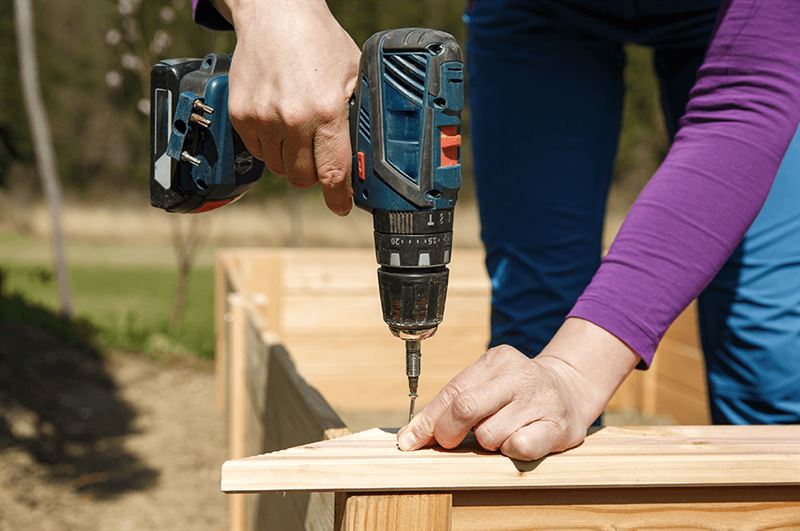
(470, 407)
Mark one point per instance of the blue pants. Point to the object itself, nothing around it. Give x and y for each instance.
(546, 90)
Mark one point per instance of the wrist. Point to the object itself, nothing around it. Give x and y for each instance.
(596, 361)
(240, 12)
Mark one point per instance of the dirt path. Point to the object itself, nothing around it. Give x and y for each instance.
(164, 473)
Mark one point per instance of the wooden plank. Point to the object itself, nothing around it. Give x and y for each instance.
(346, 368)
(220, 306)
(287, 412)
(685, 408)
(683, 363)
(394, 512)
(610, 457)
(297, 407)
(324, 314)
(684, 328)
(742, 508)
(354, 271)
(627, 396)
(236, 400)
(303, 294)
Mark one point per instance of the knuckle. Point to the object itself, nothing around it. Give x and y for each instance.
(331, 176)
(449, 392)
(464, 407)
(498, 354)
(521, 446)
(423, 428)
(240, 110)
(487, 438)
(328, 112)
(294, 117)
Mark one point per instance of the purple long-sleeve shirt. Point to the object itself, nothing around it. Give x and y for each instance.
(743, 111)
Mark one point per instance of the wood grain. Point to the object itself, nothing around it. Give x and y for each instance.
(283, 410)
(741, 508)
(611, 457)
(236, 400)
(394, 512)
(300, 296)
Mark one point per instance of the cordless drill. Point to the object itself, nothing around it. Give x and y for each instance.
(405, 118)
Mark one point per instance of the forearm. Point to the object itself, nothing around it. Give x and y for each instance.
(231, 10)
(742, 114)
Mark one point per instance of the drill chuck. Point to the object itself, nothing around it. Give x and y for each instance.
(413, 249)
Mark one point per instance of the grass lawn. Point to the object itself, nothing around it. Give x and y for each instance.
(129, 304)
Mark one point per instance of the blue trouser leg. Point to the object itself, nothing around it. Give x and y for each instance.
(545, 111)
(750, 314)
(545, 95)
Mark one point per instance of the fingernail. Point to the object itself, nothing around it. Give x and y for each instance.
(407, 441)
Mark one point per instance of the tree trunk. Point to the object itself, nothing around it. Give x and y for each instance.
(186, 247)
(42, 143)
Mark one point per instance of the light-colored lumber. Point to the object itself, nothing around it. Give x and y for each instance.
(394, 512)
(236, 400)
(741, 508)
(301, 296)
(220, 305)
(611, 457)
(282, 411)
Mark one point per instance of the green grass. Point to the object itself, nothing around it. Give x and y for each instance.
(129, 305)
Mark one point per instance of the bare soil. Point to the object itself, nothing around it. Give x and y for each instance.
(148, 457)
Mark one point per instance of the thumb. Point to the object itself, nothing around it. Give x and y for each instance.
(333, 159)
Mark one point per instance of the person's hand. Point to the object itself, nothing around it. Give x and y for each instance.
(527, 408)
(294, 70)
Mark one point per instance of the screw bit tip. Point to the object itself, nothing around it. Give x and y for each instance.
(411, 403)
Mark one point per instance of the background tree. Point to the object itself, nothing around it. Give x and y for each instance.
(42, 144)
(141, 37)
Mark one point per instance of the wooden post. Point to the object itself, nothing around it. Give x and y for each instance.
(220, 309)
(238, 395)
(42, 141)
(393, 512)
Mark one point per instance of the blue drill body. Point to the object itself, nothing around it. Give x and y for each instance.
(402, 162)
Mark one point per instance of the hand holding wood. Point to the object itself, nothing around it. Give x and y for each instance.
(527, 408)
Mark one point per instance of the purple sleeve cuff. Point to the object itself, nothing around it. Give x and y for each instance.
(633, 334)
(205, 15)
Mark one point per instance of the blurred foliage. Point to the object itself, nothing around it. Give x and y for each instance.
(95, 59)
(16, 310)
(128, 307)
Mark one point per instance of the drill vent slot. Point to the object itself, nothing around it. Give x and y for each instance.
(363, 123)
(406, 73)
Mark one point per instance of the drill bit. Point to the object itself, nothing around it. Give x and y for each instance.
(413, 356)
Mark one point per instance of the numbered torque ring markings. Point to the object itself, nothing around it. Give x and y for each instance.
(413, 250)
